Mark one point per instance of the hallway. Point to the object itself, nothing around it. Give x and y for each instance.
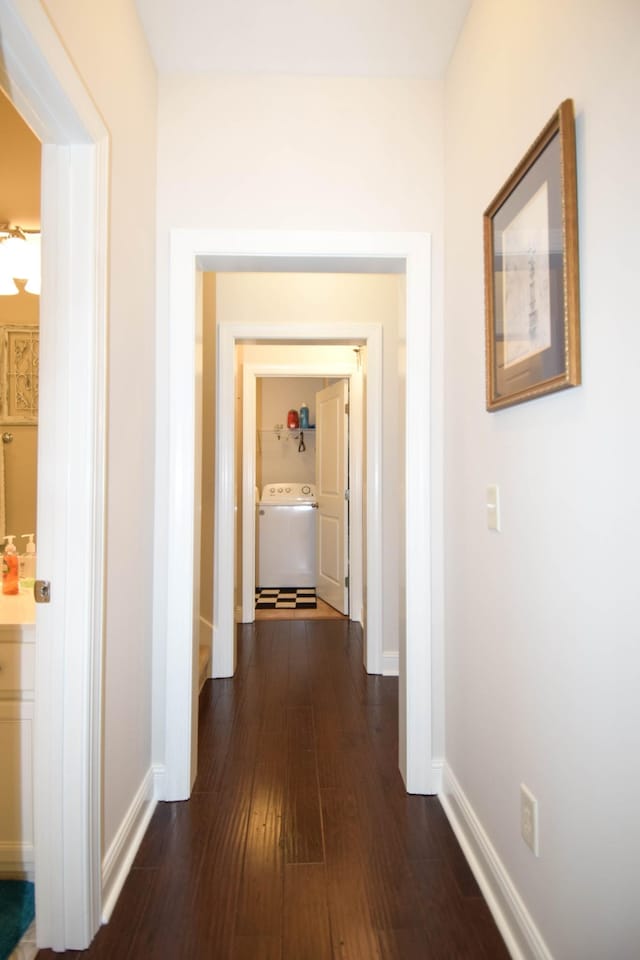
(299, 842)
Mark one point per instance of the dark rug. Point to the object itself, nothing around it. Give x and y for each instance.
(286, 598)
(17, 910)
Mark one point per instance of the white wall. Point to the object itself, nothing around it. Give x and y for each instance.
(107, 46)
(278, 455)
(299, 153)
(542, 634)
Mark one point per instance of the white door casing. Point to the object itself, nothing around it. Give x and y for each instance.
(332, 483)
(41, 81)
(200, 249)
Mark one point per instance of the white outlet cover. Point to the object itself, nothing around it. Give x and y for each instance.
(529, 819)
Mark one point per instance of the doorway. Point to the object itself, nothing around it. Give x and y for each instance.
(195, 250)
(311, 363)
(67, 745)
(296, 570)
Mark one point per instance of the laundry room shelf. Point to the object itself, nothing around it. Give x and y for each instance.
(286, 433)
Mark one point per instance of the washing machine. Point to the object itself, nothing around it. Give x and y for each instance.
(286, 533)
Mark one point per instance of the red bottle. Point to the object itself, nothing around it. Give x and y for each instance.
(293, 421)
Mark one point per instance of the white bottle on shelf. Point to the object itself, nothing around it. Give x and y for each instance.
(29, 558)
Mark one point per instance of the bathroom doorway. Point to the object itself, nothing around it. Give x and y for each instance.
(20, 175)
(41, 82)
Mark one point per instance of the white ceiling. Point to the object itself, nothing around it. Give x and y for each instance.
(369, 38)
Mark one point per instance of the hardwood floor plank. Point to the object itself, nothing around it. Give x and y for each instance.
(406, 945)
(302, 817)
(353, 931)
(213, 908)
(259, 910)
(115, 939)
(486, 930)
(464, 878)
(166, 920)
(255, 948)
(307, 933)
(447, 917)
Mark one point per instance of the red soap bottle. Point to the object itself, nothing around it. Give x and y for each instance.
(293, 421)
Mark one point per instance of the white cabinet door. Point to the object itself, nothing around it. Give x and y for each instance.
(16, 796)
(16, 758)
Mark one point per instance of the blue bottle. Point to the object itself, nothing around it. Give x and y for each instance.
(304, 416)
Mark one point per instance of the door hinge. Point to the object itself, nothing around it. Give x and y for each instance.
(347, 494)
(346, 581)
(346, 409)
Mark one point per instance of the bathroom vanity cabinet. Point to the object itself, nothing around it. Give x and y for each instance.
(17, 667)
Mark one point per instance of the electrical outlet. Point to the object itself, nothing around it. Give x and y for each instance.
(529, 818)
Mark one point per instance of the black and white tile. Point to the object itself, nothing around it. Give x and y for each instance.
(285, 598)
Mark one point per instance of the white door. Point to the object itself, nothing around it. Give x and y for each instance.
(332, 484)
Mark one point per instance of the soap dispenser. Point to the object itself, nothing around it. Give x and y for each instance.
(10, 584)
(29, 559)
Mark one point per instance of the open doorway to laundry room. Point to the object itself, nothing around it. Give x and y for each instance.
(301, 548)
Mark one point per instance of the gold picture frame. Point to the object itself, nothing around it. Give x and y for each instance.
(532, 304)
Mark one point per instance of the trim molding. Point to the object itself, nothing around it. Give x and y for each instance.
(523, 939)
(159, 781)
(124, 846)
(337, 365)
(191, 250)
(390, 664)
(205, 639)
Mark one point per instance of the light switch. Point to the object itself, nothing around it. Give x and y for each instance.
(493, 507)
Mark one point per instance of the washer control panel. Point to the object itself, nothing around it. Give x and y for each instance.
(289, 493)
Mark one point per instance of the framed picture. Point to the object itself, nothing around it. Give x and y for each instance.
(19, 374)
(532, 311)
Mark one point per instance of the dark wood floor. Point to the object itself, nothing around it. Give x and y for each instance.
(299, 842)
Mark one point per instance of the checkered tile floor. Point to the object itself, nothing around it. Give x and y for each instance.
(285, 598)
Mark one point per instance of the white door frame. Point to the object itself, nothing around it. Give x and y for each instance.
(41, 81)
(196, 249)
(314, 368)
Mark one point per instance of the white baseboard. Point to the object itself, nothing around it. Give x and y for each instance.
(390, 664)
(121, 853)
(523, 939)
(205, 639)
(159, 781)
